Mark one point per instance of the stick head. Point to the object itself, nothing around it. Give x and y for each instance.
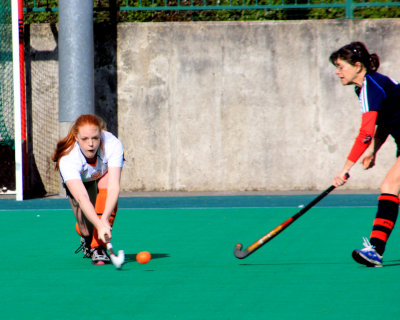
(239, 253)
(118, 260)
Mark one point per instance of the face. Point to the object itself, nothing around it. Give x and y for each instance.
(348, 73)
(88, 139)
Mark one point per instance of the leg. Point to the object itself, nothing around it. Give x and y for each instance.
(386, 216)
(99, 253)
(385, 220)
(99, 207)
(84, 226)
(388, 207)
(391, 183)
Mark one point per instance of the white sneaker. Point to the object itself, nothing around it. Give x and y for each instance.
(100, 256)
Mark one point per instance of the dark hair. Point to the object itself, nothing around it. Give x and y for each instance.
(356, 52)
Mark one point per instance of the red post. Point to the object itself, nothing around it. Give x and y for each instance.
(22, 85)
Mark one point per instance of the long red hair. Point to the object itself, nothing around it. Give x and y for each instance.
(65, 145)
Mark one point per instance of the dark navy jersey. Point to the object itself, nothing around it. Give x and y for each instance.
(382, 94)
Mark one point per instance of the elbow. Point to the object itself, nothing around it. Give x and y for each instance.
(81, 198)
(114, 189)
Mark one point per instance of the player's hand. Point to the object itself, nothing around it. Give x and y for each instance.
(340, 179)
(368, 162)
(103, 230)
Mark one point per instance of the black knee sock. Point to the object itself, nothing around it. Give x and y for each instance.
(388, 208)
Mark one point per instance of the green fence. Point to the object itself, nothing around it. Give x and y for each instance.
(348, 6)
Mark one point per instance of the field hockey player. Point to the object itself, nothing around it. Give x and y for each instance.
(90, 162)
(379, 97)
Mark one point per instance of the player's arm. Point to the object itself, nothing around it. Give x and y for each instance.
(112, 183)
(361, 143)
(365, 136)
(340, 178)
(111, 180)
(80, 194)
(369, 157)
(379, 139)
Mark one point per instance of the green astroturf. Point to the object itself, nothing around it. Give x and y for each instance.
(305, 273)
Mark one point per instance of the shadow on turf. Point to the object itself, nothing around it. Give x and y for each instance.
(392, 263)
(290, 264)
(132, 257)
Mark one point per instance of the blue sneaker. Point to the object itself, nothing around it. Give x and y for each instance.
(367, 256)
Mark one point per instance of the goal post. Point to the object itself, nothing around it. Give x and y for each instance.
(17, 101)
(12, 99)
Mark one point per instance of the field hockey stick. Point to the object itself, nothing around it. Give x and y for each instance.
(117, 260)
(274, 232)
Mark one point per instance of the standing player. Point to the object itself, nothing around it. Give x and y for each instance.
(90, 161)
(379, 97)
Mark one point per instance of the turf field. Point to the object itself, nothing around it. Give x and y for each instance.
(305, 273)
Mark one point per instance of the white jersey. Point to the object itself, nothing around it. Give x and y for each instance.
(73, 166)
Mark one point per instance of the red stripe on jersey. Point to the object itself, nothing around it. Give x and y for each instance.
(364, 138)
(384, 223)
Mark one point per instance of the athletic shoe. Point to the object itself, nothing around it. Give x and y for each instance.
(367, 256)
(85, 248)
(100, 256)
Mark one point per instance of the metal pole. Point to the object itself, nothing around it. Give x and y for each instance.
(76, 59)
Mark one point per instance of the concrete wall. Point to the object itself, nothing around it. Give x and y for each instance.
(240, 105)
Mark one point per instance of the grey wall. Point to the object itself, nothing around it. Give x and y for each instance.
(239, 105)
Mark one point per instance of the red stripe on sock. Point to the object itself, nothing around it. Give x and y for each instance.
(379, 235)
(384, 222)
(389, 197)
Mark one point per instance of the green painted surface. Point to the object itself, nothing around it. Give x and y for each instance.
(305, 273)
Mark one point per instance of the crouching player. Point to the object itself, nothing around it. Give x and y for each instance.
(90, 162)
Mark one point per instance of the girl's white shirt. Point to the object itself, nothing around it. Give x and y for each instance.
(73, 166)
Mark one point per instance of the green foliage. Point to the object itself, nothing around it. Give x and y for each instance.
(377, 12)
(46, 11)
(331, 13)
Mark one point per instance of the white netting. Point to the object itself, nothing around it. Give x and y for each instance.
(44, 118)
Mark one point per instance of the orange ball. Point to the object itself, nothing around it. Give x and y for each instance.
(143, 257)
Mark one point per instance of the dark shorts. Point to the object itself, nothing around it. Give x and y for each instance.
(91, 188)
(397, 141)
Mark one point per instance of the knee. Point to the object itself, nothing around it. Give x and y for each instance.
(83, 230)
(391, 186)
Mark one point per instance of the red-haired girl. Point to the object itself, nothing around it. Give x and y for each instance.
(90, 161)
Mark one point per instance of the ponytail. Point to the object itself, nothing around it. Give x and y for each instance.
(356, 52)
(374, 62)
